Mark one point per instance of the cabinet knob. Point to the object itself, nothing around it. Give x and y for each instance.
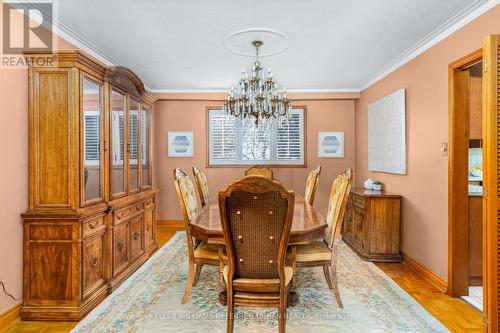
(136, 235)
(148, 227)
(120, 246)
(92, 226)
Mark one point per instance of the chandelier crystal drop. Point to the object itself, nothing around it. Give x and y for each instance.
(258, 99)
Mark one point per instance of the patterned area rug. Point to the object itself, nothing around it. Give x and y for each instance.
(150, 301)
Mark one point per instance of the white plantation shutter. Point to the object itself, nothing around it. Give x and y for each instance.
(256, 143)
(222, 138)
(134, 137)
(233, 141)
(91, 143)
(290, 138)
(118, 133)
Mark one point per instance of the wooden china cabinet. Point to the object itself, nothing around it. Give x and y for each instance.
(91, 214)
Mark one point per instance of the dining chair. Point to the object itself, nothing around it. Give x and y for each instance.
(199, 252)
(259, 171)
(312, 184)
(256, 217)
(324, 252)
(202, 185)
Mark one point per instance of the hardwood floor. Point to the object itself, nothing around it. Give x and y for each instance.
(454, 313)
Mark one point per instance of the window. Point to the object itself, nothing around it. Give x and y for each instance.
(236, 141)
(91, 143)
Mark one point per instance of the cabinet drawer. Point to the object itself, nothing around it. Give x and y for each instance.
(120, 248)
(148, 227)
(92, 264)
(136, 235)
(357, 200)
(125, 213)
(93, 225)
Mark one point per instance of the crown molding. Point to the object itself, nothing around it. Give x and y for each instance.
(467, 15)
(65, 32)
(218, 91)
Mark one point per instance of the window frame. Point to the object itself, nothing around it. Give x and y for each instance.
(273, 162)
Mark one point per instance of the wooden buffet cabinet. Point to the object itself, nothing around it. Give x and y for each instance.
(91, 214)
(372, 225)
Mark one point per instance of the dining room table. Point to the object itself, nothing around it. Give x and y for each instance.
(307, 225)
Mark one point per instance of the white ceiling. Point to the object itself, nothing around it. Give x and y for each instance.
(334, 44)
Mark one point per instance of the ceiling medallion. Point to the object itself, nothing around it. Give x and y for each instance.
(258, 99)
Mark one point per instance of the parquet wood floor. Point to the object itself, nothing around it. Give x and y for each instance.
(454, 313)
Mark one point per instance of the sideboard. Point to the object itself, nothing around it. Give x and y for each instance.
(372, 225)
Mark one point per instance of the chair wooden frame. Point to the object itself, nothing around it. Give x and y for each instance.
(257, 184)
(317, 171)
(194, 263)
(330, 266)
(258, 170)
(199, 186)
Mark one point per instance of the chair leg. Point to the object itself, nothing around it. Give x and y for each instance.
(197, 274)
(326, 271)
(221, 264)
(230, 311)
(333, 275)
(282, 311)
(190, 280)
(294, 263)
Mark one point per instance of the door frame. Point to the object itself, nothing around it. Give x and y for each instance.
(458, 198)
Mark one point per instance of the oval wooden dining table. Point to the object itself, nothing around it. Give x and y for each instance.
(307, 225)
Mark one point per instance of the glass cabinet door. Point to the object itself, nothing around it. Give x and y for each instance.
(117, 144)
(146, 146)
(133, 149)
(92, 124)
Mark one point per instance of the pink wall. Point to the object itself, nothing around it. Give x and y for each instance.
(425, 187)
(190, 115)
(14, 176)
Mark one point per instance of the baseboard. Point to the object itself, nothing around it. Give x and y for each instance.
(10, 316)
(171, 223)
(426, 274)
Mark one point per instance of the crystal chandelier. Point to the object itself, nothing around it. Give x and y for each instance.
(258, 99)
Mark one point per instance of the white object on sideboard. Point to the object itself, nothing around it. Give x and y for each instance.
(387, 134)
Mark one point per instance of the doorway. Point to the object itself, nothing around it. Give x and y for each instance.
(465, 183)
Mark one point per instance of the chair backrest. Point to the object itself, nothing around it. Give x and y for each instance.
(189, 206)
(336, 206)
(259, 171)
(186, 195)
(256, 216)
(312, 184)
(202, 185)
